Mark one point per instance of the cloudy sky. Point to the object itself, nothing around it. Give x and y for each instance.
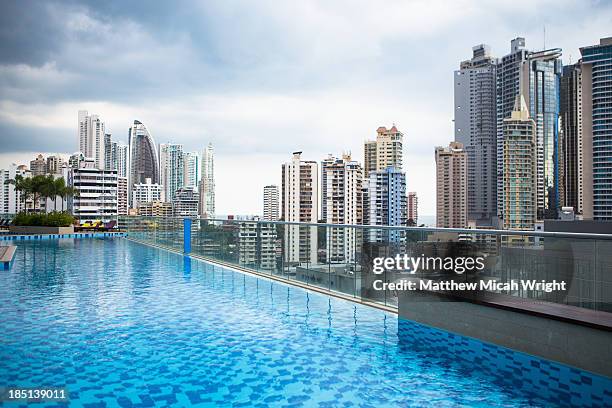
(261, 79)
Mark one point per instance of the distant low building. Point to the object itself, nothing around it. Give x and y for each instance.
(155, 209)
(146, 192)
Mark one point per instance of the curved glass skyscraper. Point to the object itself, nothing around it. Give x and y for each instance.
(144, 163)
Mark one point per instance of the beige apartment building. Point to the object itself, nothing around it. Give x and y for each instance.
(341, 203)
(451, 186)
(299, 203)
(385, 151)
(520, 170)
(155, 209)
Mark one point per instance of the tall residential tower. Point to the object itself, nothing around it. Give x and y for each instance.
(207, 183)
(451, 186)
(597, 127)
(475, 128)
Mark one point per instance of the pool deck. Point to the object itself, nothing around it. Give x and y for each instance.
(7, 253)
(21, 237)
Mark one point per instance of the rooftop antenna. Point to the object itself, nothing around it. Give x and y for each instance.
(545, 36)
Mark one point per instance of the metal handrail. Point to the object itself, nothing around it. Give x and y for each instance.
(543, 234)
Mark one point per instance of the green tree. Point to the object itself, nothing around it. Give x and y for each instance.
(67, 191)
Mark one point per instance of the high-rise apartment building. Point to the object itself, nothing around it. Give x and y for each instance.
(122, 196)
(571, 126)
(91, 138)
(191, 169)
(257, 245)
(270, 203)
(520, 169)
(121, 154)
(299, 203)
(171, 169)
(509, 72)
(385, 151)
(10, 199)
(413, 207)
(185, 202)
(109, 163)
(536, 76)
(54, 165)
(476, 128)
(341, 203)
(143, 161)
(207, 183)
(384, 203)
(146, 192)
(38, 166)
(597, 129)
(96, 197)
(451, 186)
(75, 160)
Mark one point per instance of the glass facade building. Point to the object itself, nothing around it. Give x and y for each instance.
(544, 73)
(597, 113)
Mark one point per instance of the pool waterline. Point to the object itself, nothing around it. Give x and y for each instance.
(130, 325)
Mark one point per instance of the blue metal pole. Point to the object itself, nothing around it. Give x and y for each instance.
(187, 235)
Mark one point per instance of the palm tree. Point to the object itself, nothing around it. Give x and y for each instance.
(67, 191)
(47, 189)
(38, 189)
(59, 185)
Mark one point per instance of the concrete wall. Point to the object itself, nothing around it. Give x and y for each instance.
(575, 345)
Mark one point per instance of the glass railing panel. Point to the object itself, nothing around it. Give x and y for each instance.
(341, 258)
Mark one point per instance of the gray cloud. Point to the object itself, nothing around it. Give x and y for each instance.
(261, 77)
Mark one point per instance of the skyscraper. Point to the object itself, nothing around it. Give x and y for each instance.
(109, 163)
(520, 169)
(476, 129)
(191, 169)
(207, 183)
(385, 151)
(451, 186)
(508, 86)
(143, 162)
(384, 203)
(299, 203)
(171, 170)
(413, 207)
(571, 122)
(122, 196)
(270, 203)
(597, 128)
(341, 203)
(91, 138)
(384, 186)
(122, 158)
(540, 86)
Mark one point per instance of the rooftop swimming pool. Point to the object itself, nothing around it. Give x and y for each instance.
(121, 324)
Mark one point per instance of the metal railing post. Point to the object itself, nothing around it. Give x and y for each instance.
(186, 235)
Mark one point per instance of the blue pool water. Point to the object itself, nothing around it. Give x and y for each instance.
(120, 324)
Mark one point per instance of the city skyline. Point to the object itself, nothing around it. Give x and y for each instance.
(244, 111)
